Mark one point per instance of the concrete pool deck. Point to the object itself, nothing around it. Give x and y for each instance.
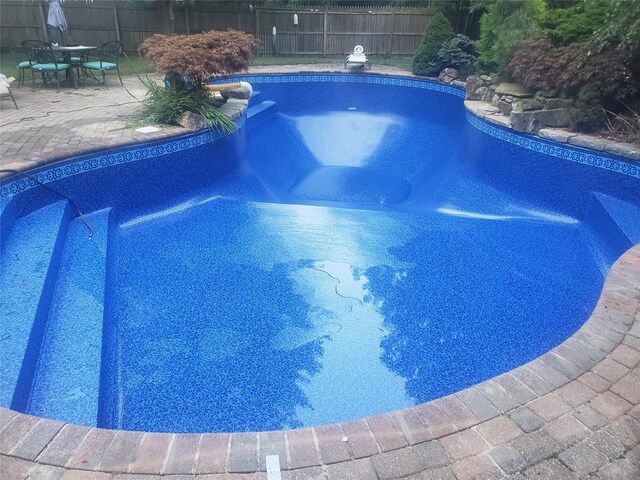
(572, 413)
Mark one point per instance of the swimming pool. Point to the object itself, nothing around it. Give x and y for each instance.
(290, 284)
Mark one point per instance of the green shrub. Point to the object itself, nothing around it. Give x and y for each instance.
(587, 114)
(458, 53)
(620, 28)
(164, 105)
(503, 27)
(438, 31)
(575, 24)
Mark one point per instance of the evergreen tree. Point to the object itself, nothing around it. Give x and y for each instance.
(437, 32)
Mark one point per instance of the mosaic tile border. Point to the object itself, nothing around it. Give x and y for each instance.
(576, 155)
(348, 78)
(95, 162)
(91, 162)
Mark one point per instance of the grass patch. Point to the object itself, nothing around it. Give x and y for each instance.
(129, 65)
(133, 63)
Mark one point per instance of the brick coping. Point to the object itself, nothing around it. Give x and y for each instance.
(589, 375)
(573, 405)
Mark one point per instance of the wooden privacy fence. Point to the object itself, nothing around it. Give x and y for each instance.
(333, 31)
(319, 30)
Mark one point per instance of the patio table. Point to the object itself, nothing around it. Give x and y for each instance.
(66, 52)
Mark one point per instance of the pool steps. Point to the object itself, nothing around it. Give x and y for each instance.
(67, 377)
(28, 271)
(625, 215)
(256, 114)
(8, 214)
(255, 98)
(615, 226)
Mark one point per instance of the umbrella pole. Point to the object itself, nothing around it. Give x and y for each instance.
(61, 37)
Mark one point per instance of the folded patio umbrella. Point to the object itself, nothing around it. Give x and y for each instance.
(56, 18)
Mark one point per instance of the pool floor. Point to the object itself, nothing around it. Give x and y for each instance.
(245, 316)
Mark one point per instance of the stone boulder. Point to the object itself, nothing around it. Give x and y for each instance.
(216, 100)
(533, 121)
(555, 103)
(527, 105)
(514, 89)
(241, 93)
(505, 106)
(448, 75)
(473, 84)
(191, 121)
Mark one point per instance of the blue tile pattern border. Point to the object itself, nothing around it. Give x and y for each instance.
(98, 161)
(573, 154)
(136, 153)
(348, 78)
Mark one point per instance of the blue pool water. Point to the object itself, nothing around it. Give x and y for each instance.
(360, 245)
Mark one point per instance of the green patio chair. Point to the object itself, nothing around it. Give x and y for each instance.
(108, 59)
(43, 60)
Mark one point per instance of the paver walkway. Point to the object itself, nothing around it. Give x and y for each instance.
(572, 413)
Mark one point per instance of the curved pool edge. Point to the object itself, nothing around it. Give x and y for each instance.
(590, 376)
(553, 406)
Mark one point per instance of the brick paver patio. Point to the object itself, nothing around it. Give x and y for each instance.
(572, 413)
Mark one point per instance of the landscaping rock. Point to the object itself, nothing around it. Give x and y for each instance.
(533, 121)
(481, 93)
(480, 109)
(448, 75)
(587, 141)
(556, 135)
(526, 105)
(216, 100)
(484, 94)
(191, 121)
(624, 149)
(474, 83)
(499, 119)
(459, 83)
(555, 103)
(241, 93)
(514, 89)
(504, 106)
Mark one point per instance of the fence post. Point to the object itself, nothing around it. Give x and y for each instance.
(187, 22)
(257, 29)
(324, 32)
(44, 22)
(116, 23)
(390, 39)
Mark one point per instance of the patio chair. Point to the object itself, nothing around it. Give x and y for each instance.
(23, 64)
(43, 60)
(108, 59)
(357, 58)
(5, 88)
